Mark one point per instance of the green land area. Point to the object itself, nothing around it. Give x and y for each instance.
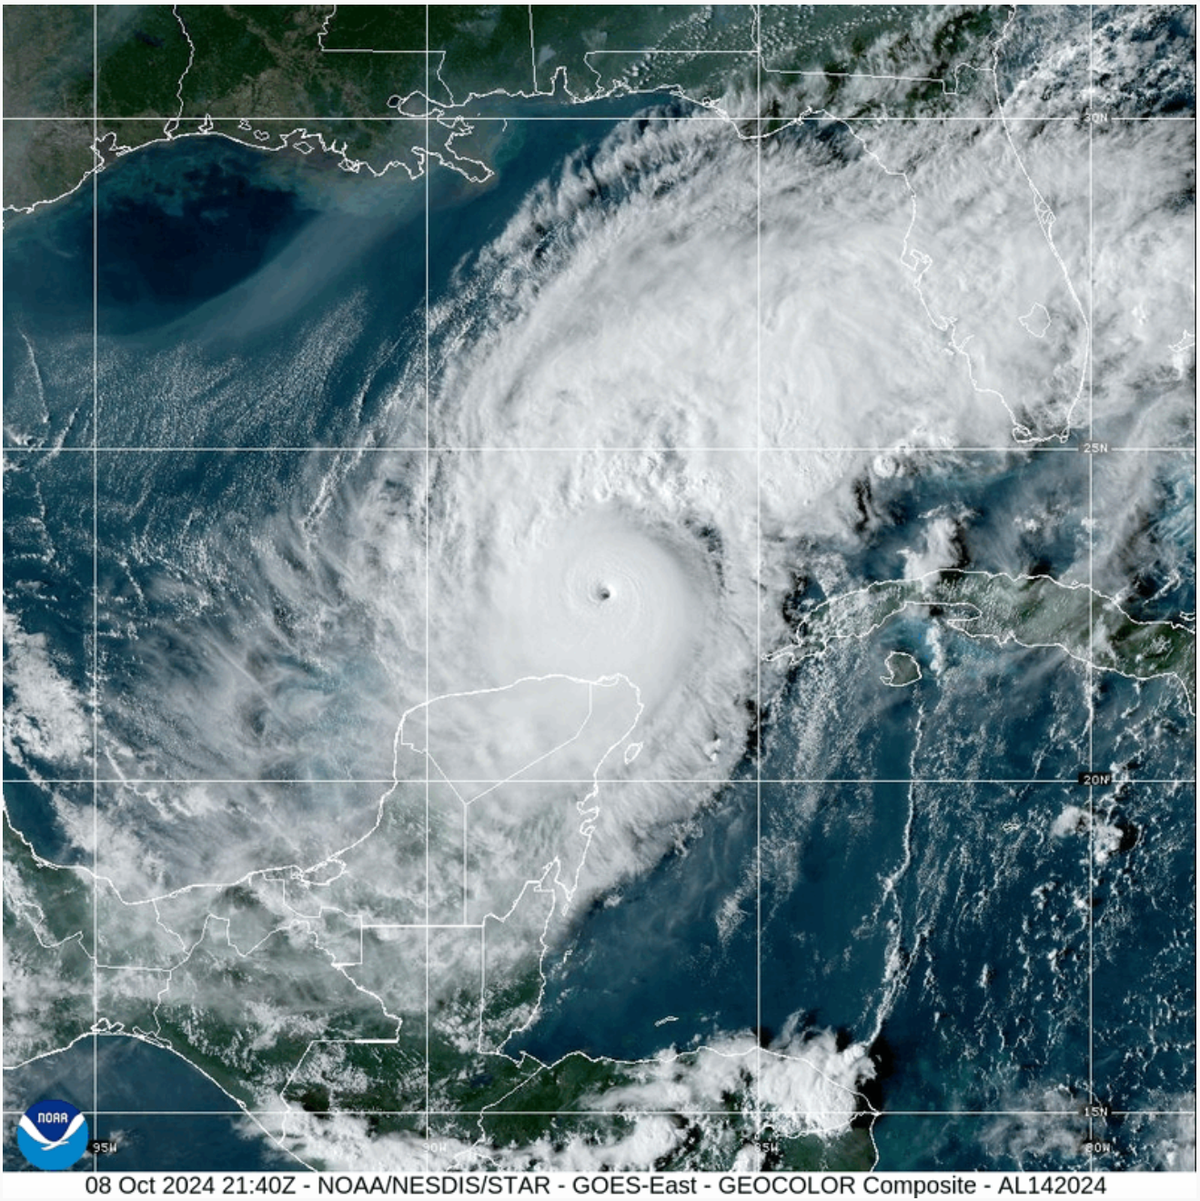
(257, 998)
(1031, 611)
(374, 87)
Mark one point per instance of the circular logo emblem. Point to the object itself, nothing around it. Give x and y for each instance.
(52, 1135)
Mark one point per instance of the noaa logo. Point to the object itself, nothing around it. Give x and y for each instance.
(52, 1135)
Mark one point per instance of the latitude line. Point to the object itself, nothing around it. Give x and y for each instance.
(648, 448)
(632, 781)
(441, 114)
(233, 1115)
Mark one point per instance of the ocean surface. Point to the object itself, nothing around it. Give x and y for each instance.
(912, 868)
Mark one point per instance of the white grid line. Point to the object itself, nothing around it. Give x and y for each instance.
(114, 783)
(440, 113)
(1091, 353)
(758, 563)
(95, 690)
(532, 52)
(425, 172)
(1064, 1115)
(1016, 448)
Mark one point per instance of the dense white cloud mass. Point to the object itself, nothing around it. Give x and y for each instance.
(49, 721)
(800, 1087)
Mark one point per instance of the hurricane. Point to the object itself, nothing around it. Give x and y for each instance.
(476, 683)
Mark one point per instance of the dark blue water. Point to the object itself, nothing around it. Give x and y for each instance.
(211, 258)
(673, 962)
(162, 1113)
(985, 926)
(181, 224)
(31, 811)
(47, 309)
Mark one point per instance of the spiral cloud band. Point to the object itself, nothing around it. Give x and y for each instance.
(658, 585)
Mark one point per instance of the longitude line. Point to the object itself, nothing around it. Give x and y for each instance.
(758, 748)
(95, 593)
(1091, 599)
(532, 50)
(428, 544)
(1091, 835)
